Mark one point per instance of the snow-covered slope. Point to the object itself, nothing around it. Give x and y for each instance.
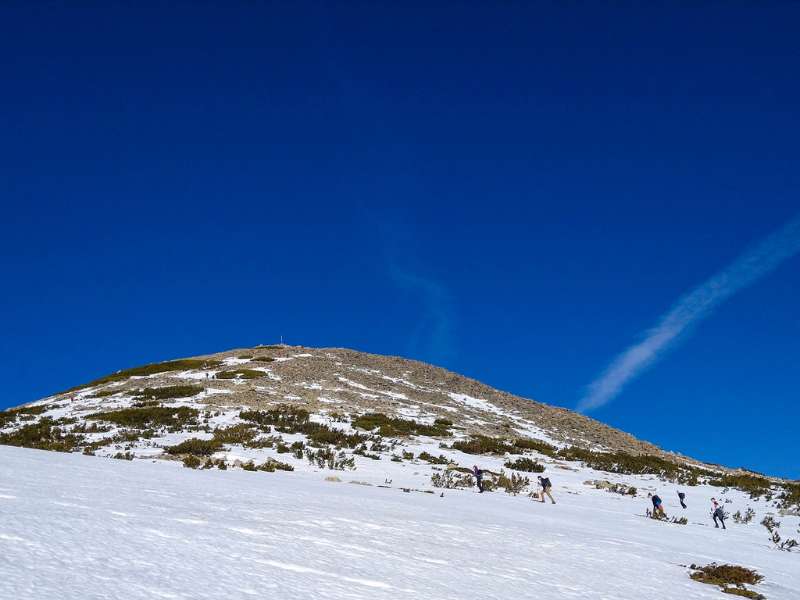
(84, 528)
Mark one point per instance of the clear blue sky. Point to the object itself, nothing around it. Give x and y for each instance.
(514, 191)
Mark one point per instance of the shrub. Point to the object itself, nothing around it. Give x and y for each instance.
(728, 575)
(396, 427)
(434, 460)
(43, 435)
(525, 464)
(745, 518)
(186, 364)
(770, 523)
(272, 465)
(449, 479)
(481, 444)
(235, 434)
(752, 484)
(362, 451)
(408, 455)
(790, 496)
(171, 391)
(93, 428)
(537, 445)
(289, 419)
(123, 456)
(325, 457)
(630, 464)
(266, 359)
(10, 416)
(281, 416)
(196, 447)
(322, 435)
(151, 416)
(513, 485)
(240, 374)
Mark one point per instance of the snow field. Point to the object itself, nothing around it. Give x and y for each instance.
(78, 527)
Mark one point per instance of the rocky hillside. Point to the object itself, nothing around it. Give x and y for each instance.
(294, 408)
(350, 382)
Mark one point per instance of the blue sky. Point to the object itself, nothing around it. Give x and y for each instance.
(514, 192)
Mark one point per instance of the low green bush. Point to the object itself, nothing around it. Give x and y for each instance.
(513, 485)
(266, 359)
(395, 427)
(751, 484)
(290, 419)
(537, 445)
(195, 446)
(284, 416)
(325, 457)
(186, 364)
(235, 434)
(191, 461)
(362, 451)
(451, 479)
(631, 464)
(91, 428)
(8, 417)
(151, 416)
(731, 579)
(525, 464)
(481, 444)
(43, 435)
(434, 460)
(744, 518)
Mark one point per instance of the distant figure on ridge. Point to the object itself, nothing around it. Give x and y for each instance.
(478, 478)
(682, 497)
(717, 513)
(546, 487)
(657, 505)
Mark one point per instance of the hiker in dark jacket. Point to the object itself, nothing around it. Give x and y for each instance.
(682, 497)
(657, 508)
(546, 487)
(717, 513)
(478, 478)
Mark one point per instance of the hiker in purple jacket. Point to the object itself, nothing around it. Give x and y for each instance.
(478, 478)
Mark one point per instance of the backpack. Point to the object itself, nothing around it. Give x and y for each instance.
(546, 483)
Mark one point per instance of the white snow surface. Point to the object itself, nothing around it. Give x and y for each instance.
(77, 527)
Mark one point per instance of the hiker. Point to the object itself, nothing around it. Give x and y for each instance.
(717, 513)
(657, 508)
(682, 497)
(478, 478)
(546, 487)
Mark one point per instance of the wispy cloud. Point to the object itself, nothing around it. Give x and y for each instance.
(433, 334)
(754, 263)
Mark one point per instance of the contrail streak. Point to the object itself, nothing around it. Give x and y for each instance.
(754, 263)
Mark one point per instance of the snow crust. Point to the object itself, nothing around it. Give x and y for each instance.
(78, 528)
